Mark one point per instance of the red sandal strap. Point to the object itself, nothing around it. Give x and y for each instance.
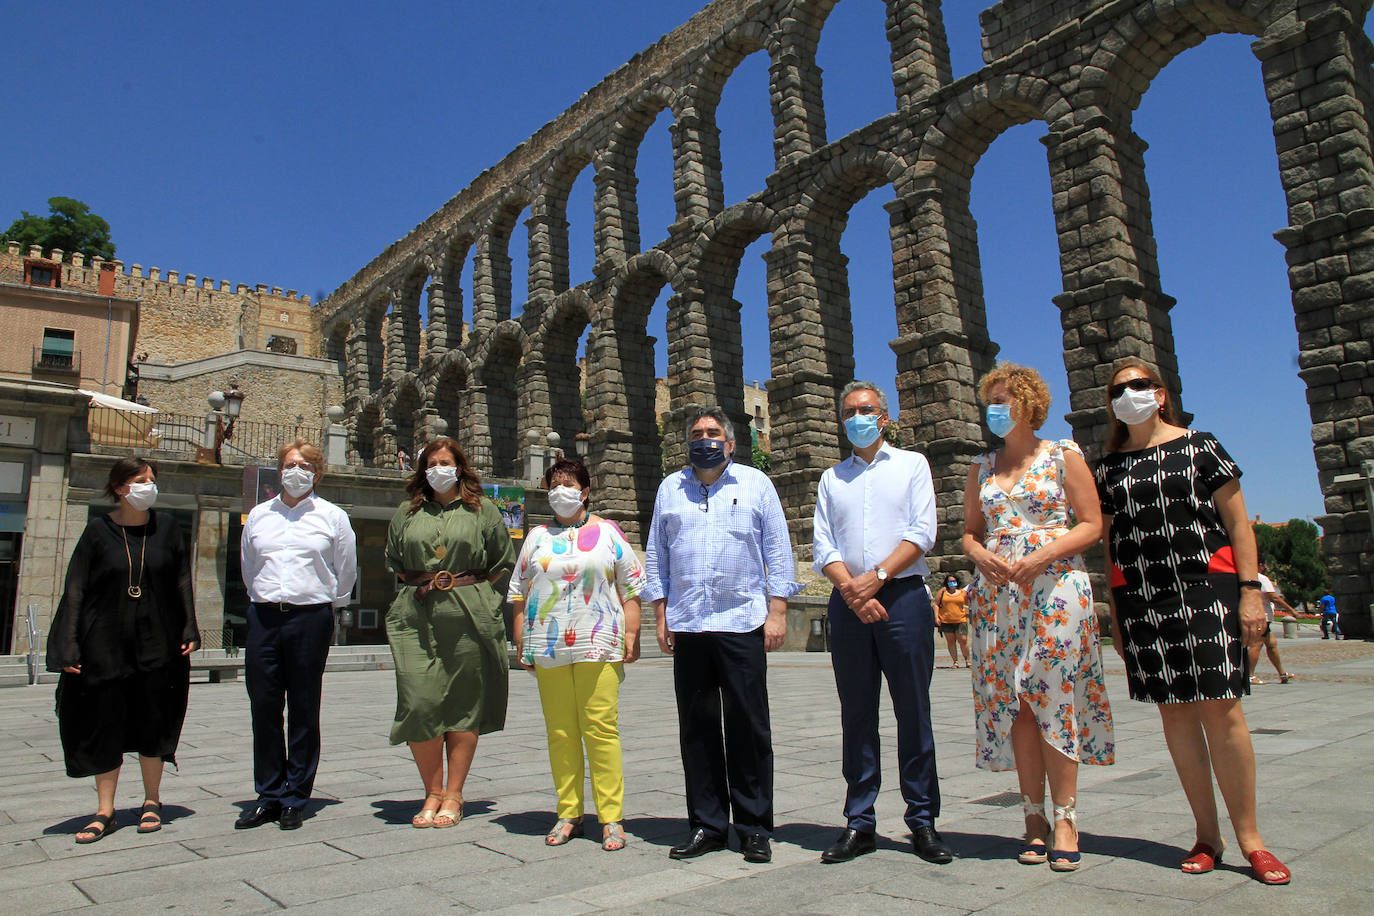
(1262, 862)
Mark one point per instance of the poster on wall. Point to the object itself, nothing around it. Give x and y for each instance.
(511, 502)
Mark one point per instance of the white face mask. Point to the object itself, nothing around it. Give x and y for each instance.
(442, 477)
(565, 502)
(1135, 406)
(142, 495)
(297, 482)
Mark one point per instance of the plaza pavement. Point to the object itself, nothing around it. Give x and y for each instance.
(356, 853)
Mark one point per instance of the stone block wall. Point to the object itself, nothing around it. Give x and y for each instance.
(1079, 67)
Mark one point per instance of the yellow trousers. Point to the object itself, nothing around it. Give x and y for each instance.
(582, 707)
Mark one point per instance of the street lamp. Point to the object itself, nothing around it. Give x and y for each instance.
(225, 403)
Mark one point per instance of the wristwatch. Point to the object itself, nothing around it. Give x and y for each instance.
(881, 574)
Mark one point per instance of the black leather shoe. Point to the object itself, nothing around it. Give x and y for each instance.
(850, 844)
(929, 846)
(699, 844)
(256, 816)
(290, 818)
(755, 848)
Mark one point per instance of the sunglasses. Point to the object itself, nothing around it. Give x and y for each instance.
(1135, 384)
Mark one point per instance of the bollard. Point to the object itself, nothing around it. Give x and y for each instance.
(1290, 628)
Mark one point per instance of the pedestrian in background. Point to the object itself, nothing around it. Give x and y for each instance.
(1270, 596)
(951, 616)
(1331, 620)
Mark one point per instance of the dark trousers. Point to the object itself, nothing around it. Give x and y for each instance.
(1331, 623)
(285, 668)
(902, 649)
(722, 678)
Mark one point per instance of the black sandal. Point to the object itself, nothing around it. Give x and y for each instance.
(150, 820)
(100, 825)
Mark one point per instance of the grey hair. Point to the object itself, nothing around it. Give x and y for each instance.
(696, 414)
(857, 385)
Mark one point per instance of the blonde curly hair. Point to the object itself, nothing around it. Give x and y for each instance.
(1026, 387)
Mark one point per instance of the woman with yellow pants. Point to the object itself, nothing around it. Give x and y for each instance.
(575, 589)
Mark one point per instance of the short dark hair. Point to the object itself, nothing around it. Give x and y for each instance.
(570, 466)
(696, 413)
(125, 470)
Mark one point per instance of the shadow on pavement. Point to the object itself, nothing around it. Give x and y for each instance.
(399, 811)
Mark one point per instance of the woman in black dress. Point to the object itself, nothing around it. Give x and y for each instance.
(121, 637)
(1185, 603)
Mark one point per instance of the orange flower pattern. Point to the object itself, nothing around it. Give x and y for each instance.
(1039, 645)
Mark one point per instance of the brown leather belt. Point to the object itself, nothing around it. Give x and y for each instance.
(443, 580)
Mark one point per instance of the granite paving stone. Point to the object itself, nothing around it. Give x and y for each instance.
(356, 850)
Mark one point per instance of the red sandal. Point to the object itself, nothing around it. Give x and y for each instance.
(1262, 862)
(1203, 858)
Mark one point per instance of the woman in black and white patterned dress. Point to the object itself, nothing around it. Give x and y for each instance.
(1185, 602)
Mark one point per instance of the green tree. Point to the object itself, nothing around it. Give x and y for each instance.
(1293, 555)
(70, 226)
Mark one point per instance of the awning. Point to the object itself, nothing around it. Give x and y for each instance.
(109, 400)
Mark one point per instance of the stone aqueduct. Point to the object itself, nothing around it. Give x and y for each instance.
(1078, 66)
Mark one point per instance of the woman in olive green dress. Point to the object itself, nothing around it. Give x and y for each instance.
(450, 548)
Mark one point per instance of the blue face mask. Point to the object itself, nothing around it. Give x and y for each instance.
(706, 453)
(999, 420)
(862, 430)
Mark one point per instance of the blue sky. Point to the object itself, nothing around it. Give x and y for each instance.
(288, 144)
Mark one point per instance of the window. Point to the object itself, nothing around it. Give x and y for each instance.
(42, 273)
(58, 352)
(282, 344)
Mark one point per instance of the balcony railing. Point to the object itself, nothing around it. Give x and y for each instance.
(53, 361)
(185, 435)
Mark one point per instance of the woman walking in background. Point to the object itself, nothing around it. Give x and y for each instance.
(1041, 704)
(576, 594)
(121, 637)
(450, 548)
(952, 618)
(1185, 602)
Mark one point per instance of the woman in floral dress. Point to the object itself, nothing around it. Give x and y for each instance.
(1041, 705)
(576, 594)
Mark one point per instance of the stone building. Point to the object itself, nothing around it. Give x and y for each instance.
(60, 328)
(1078, 67)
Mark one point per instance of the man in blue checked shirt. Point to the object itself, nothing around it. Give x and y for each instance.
(719, 572)
(875, 520)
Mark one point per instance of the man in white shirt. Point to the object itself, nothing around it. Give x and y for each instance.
(299, 561)
(875, 520)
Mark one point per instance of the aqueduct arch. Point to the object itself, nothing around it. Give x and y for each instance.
(1079, 66)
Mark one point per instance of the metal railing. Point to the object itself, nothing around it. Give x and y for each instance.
(52, 361)
(186, 435)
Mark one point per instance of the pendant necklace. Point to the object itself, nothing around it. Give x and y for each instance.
(135, 591)
(573, 527)
(441, 550)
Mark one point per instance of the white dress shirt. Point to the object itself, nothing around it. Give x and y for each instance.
(301, 554)
(863, 511)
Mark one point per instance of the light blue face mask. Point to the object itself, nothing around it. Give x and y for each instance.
(862, 430)
(999, 420)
